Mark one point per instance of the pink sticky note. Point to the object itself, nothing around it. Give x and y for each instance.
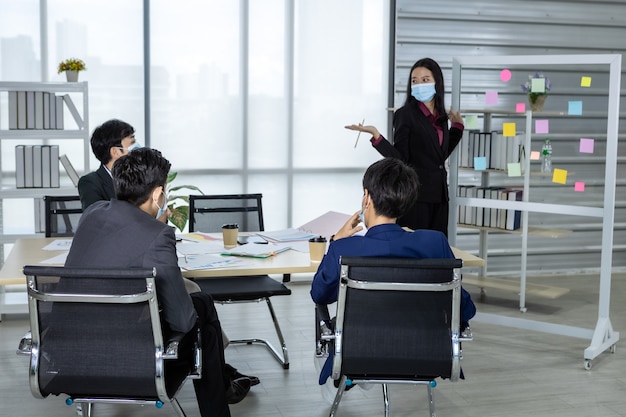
(542, 126)
(586, 145)
(505, 75)
(579, 186)
(534, 155)
(491, 97)
(520, 107)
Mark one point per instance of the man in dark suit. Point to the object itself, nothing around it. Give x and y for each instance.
(109, 141)
(389, 189)
(126, 232)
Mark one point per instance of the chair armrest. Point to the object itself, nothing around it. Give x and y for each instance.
(26, 344)
(171, 351)
(466, 335)
(173, 346)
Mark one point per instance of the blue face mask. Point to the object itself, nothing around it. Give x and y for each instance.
(362, 217)
(423, 92)
(134, 146)
(161, 210)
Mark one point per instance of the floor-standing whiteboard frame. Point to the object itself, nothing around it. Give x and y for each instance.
(603, 337)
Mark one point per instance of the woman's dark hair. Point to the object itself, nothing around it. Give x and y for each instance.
(440, 105)
(108, 135)
(136, 174)
(392, 185)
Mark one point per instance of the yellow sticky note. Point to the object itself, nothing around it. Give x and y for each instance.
(559, 176)
(508, 129)
(585, 81)
(514, 169)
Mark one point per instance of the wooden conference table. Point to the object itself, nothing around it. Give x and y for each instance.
(29, 251)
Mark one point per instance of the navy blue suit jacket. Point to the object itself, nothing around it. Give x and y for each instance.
(385, 240)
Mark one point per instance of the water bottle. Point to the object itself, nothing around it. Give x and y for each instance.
(546, 157)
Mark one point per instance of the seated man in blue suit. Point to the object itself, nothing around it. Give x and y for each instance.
(389, 188)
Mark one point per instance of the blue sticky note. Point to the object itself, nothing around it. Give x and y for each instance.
(480, 163)
(575, 108)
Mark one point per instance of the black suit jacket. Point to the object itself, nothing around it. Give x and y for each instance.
(117, 234)
(95, 186)
(416, 142)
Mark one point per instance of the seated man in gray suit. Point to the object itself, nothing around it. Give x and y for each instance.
(126, 232)
(109, 141)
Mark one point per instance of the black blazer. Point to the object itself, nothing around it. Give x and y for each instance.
(95, 186)
(416, 142)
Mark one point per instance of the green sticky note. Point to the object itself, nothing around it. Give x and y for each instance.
(471, 122)
(538, 85)
(514, 169)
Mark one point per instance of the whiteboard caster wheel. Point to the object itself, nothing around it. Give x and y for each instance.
(587, 364)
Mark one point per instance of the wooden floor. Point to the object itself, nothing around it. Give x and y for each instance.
(509, 372)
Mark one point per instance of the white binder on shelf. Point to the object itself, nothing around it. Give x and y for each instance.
(69, 168)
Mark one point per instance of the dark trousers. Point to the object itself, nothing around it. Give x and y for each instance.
(211, 388)
(432, 216)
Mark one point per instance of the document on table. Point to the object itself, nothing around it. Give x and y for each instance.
(59, 244)
(327, 224)
(210, 261)
(286, 235)
(255, 250)
(56, 260)
(199, 248)
(198, 237)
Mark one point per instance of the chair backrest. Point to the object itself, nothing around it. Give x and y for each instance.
(398, 318)
(62, 215)
(207, 213)
(96, 333)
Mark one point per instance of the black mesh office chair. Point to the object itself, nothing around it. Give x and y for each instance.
(397, 323)
(207, 213)
(96, 336)
(62, 215)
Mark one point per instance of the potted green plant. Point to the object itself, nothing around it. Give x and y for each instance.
(71, 67)
(178, 205)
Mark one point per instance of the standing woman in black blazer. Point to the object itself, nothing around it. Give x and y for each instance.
(423, 139)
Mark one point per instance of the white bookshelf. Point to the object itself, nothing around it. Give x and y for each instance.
(76, 128)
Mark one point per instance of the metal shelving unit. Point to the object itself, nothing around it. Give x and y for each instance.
(603, 337)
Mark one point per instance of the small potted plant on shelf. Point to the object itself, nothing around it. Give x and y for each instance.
(71, 67)
(178, 205)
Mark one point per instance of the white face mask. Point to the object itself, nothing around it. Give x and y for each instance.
(423, 92)
(161, 210)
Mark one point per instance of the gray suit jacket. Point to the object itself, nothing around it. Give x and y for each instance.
(117, 234)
